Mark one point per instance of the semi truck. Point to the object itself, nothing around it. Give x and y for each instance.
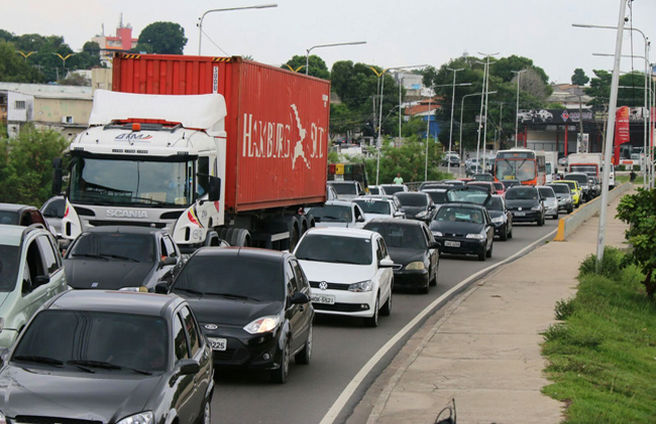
(210, 148)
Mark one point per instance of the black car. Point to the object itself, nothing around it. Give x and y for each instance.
(109, 357)
(410, 244)
(416, 205)
(463, 228)
(483, 176)
(525, 204)
(501, 217)
(437, 195)
(253, 306)
(116, 257)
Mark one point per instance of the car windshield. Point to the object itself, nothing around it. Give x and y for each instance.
(469, 195)
(9, 258)
(412, 199)
(579, 178)
(522, 193)
(400, 235)
(494, 204)
(391, 189)
(100, 341)
(55, 209)
(240, 276)
(560, 188)
(8, 217)
(499, 186)
(331, 213)
(381, 207)
(546, 192)
(459, 214)
(114, 245)
(338, 249)
(344, 188)
(438, 197)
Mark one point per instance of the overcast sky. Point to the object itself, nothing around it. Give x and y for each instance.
(409, 32)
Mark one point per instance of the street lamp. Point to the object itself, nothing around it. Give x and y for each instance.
(63, 59)
(453, 97)
(25, 55)
(517, 105)
(227, 9)
(307, 51)
(462, 106)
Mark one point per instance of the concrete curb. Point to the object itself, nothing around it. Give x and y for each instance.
(569, 224)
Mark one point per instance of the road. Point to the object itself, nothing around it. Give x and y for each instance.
(341, 348)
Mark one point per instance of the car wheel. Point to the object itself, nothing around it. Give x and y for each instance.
(570, 209)
(433, 281)
(504, 233)
(373, 320)
(489, 251)
(280, 375)
(207, 412)
(481, 255)
(303, 357)
(386, 310)
(540, 221)
(555, 216)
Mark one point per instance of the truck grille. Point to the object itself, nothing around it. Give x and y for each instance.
(100, 223)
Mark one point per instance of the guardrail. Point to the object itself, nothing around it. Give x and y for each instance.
(568, 224)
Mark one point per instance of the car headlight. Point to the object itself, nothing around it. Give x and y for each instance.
(263, 324)
(477, 236)
(437, 234)
(536, 208)
(498, 219)
(415, 266)
(422, 214)
(362, 286)
(140, 418)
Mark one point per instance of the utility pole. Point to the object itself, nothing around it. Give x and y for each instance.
(517, 105)
(453, 98)
(427, 135)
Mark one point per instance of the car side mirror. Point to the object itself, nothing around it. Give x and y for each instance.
(214, 192)
(299, 298)
(188, 366)
(360, 219)
(387, 263)
(398, 214)
(169, 260)
(40, 280)
(162, 288)
(433, 245)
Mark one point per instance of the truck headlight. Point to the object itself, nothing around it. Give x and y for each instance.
(362, 286)
(415, 266)
(476, 236)
(145, 417)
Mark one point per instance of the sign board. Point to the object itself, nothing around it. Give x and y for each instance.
(582, 143)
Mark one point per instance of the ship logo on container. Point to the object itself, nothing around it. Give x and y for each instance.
(298, 147)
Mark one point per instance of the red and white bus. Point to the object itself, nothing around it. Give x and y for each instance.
(519, 164)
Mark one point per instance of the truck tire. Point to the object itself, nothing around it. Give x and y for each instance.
(293, 225)
(311, 221)
(212, 239)
(240, 237)
(304, 225)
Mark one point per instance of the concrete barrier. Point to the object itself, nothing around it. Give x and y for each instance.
(571, 222)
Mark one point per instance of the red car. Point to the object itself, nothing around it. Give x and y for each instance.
(501, 189)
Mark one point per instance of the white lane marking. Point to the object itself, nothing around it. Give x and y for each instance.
(353, 385)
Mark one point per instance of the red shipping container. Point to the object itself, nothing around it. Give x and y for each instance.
(277, 122)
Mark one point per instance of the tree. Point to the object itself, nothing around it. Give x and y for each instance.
(317, 66)
(639, 211)
(162, 38)
(599, 89)
(14, 68)
(75, 79)
(579, 77)
(6, 35)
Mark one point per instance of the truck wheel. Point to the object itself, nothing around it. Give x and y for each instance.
(240, 237)
(212, 239)
(310, 220)
(303, 224)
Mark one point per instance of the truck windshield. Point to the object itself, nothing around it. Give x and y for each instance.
(131, 182)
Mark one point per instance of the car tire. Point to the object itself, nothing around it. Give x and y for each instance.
(570, 209)
(372, 321)
(386, 310)
(433, 281)
(303, 357)
(207, 412)
(481, 255)
(540, 221)
(280, 374)
(504, 233)
(489, 251)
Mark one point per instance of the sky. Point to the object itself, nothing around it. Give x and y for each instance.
(397, 33)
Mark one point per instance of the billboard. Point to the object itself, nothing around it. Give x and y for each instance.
(553, 116)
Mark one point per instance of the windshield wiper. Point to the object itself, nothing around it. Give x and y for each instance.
(234, 296)
(105, 365)
(127, 258)
(39, 359)
(192, 291)
(90, 255)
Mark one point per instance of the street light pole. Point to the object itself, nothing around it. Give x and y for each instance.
(517, 105)
(486, 89)
(227, 9)
(462, 107)
(318, 46)
(453, 97)
(427, 133)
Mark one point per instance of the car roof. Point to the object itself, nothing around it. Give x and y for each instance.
(567, 181)
(374, 197)
(14, 207)
(464, 205)
(410, 193)
(395, 221)
(126, 302)
(342, 232)
(336, 203)
(12, 235)
(343, 182)
(434, 190)
(517, 187)
(251, 252)
(124, 229)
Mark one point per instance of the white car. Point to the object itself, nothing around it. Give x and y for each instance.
(338, 213)
(350, 272)
(390, 189)
(379, 207)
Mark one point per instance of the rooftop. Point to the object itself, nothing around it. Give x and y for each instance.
(49, 91)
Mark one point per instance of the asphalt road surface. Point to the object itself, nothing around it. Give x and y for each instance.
(341, 348)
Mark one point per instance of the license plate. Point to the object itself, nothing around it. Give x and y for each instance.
(217, 343)
(323, 298)
(449, 243)
(517, 213)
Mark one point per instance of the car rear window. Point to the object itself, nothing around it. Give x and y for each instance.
(9, 218)
(391, 189)
(374, 206)
(9, 257)
(438, 197)
(494, 204)
(522, 193)
(399, 235)
(344, 188)
(412, 199)
(331, 213)
(546, 192)
(119, 246)
(560, 188)
(338, 249)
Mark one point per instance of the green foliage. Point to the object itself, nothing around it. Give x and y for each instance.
(564, 308)
(162, 38)
(579, 77)
(599, 89)
(13, 68)
(639, 211)
(317, 66)
(26, 176)
(611, 264)
(601, 358)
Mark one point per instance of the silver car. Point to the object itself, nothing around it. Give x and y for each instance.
(548, 197)
(338, 213)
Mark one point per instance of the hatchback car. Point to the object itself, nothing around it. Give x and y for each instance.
(525, 204)
(548, 197)
(411, 245)
(347, 190)
(564, 196)
(338, 213)
(31, 272)
(376, 207)
(253, 306)
(350, 272)
(116, 257)
(394, 188)
(462, 228)
(583, 183)
(575, 189)
(416, 205)
(500, 216)
(109, 357)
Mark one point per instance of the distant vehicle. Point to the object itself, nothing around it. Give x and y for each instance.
(110, 357)
(115, 257)
(452, 159)
(31, 273)
(459, 182)
(461, 228)
(583, 182)
(434, 184)
(550, 166)
(575, 189)
(377, 207)
(416, 205)
(347, 190)
(350, 272)
(500, 188)
(338, 213)
(564, 196)
(376, 190)
(525, 205)
(348, 171)
(548, 197)
(483, 176)
(252, 305)
(53, 210)
(394, 188)
(438, 195)
(410, 244)
(500, 216)
(331, 194)
(524, 165)
(23, 215)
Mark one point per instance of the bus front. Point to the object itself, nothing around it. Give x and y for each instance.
(515, 166)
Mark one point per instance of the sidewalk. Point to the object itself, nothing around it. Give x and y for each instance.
(485, 350)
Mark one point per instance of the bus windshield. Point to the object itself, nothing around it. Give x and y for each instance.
(515, 169)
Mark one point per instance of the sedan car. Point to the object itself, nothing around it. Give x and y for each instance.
(109, 357)
(564, 196)
(462, 228)
(116, 257)
(416, 205)
(338, 213)
(548, 197)
(347, 190)
(525, 204)
(411, 245)
(583, 183)
(253, 306)
(350, 272)
(500, 216)
(394, 188)
(376, 207)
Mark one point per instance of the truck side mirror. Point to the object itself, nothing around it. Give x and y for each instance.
(214, 192)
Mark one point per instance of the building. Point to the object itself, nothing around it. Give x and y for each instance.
(121, 42)
(413, 85)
